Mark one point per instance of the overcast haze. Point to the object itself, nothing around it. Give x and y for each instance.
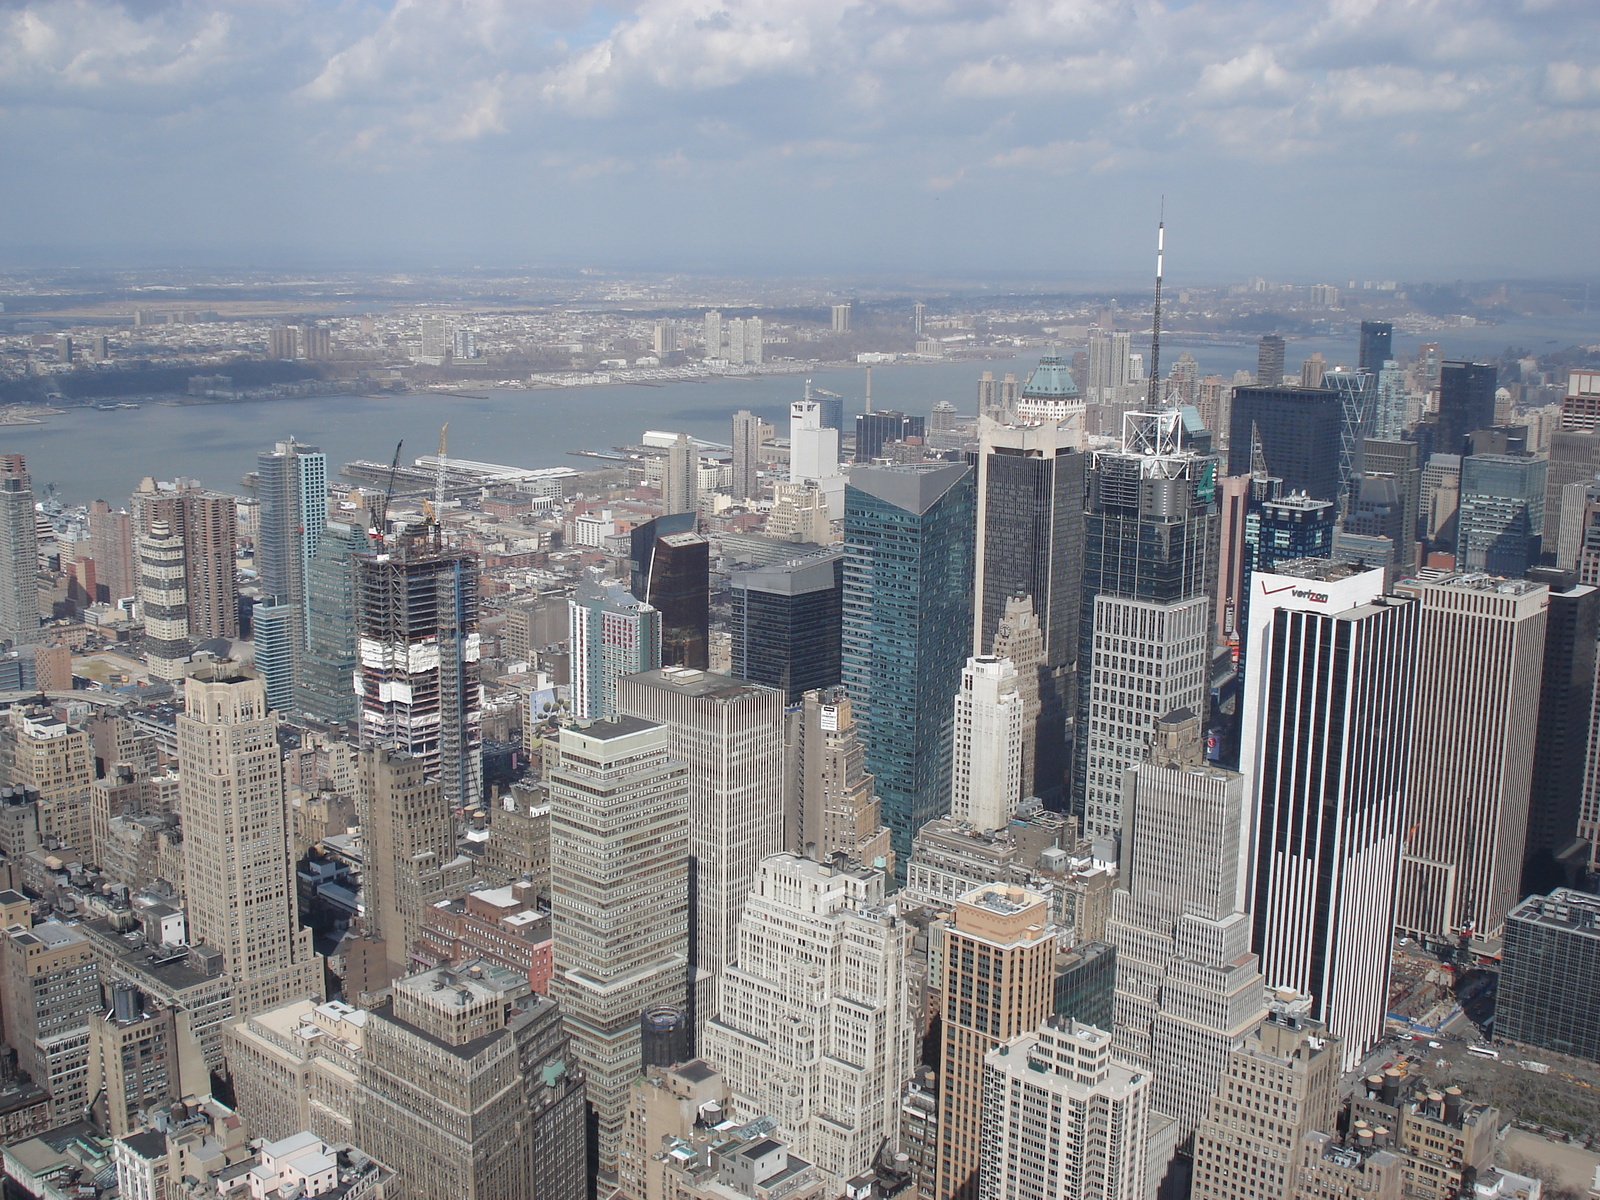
(1385, 138)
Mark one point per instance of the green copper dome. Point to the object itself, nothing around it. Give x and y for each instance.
(1051, 380)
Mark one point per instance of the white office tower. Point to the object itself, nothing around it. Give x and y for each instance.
(1188, 988)
(713, 333)
(815, 1027)
(1061, 1120)
(619, 901)
(754, 350)
(1480, 662)
(986, 754)
(730, 734)
(1326, 745)
(814, 453)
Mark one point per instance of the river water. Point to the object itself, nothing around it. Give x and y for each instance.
(89, 454)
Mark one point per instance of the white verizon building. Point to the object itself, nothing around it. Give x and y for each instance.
(1327, 724)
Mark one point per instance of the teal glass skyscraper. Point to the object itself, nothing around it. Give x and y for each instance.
(908, 533)
(323, 689)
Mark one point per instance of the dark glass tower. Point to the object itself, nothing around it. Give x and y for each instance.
(786, 623)
(1299, 433)
(680, 587)
(908, 533)
(1032, 481)
(1555, 799)
(873, 429)
(1466, 403)
(1149, 572)
(1377, 346)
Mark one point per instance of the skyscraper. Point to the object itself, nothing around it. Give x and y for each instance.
(410, 858)
(164, 602)
(1480, 653)
(823, 1051)
(1550, 972)
(465, 1085)
(1055, 1096)
(713, 333)
(1574, 458)
(785, 623)
(19, 553)
(1269, 361)
(1398, 461)
(292, 485)
(841, 318)
(619, 899)
(1149, 571)
(1279, 1086)
(678, 587)
(813, 444)
(1019, 637)
(1392, 406)
(1031, 489)
(1501, 515)
(116, 568)
(746, 455)
(907, 628)
(322, 688)
(1326, 730)
(986, 758)
(209, 525)
(275, 628)
(873, 429)
(1050, 394)
(1566, 697)
(835, 809)
(1376, 346)
(416, 607)
(730, 735)
(1297, 432)
(612, 635)
(1466, 403)
(680, 480)
(238, 875)
(1188, 989)
(996, 985)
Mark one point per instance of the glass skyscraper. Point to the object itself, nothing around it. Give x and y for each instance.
(322, 687)
(1502, 513)
(785, 623)
(907, 629)
(1150, 569)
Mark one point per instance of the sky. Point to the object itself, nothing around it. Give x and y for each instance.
(1291, 138)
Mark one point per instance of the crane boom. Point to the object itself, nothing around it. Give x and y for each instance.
(438, 474)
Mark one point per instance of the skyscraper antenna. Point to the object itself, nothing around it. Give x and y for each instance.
(1155, 328)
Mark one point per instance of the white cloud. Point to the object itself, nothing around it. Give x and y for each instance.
(927, 97)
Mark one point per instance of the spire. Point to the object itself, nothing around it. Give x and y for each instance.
(1155, 328)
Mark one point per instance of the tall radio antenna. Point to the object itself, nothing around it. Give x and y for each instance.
(1155, 328)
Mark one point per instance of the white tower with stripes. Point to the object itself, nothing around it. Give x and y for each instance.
(1327, 723)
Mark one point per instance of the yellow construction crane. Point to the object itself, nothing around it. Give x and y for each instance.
(438, 473)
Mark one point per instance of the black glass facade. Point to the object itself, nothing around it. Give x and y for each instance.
(1466, 403)
(1298, 429)
(785, 625)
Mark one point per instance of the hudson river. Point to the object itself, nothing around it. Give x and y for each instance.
(89, 454)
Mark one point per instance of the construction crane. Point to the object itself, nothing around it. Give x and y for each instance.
(438, 473)
(380, 517)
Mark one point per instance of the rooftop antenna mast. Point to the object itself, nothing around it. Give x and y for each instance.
(1155, 328)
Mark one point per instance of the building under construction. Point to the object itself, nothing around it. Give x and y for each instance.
(416, 603)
